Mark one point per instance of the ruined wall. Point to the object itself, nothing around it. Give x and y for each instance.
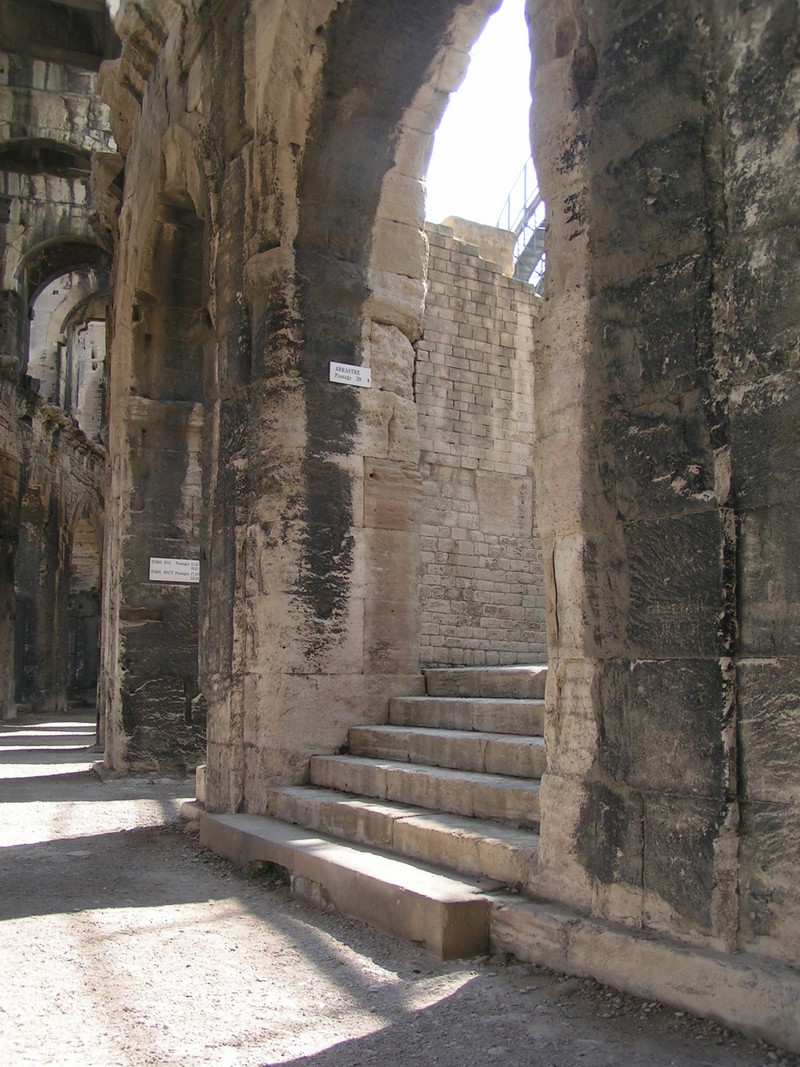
(481, 583)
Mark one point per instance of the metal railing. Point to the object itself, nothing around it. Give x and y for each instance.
(524, 215)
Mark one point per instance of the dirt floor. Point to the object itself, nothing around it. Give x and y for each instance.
(125, 943)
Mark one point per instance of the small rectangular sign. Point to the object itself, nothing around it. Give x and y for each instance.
(346, 374)
(174, 570)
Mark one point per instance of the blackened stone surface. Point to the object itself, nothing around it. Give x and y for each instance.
(649, 207)
(769, 580)
(662, 726)
(609, 839)
(649, 75)
(680, 836)
(769, 854)
(765, 444)
(769, 723)
(236, 361)
(677, 588)
(761, 106)
(762, 304)
(219, 554)
(658, 458)
(161, 727)
(654, 334)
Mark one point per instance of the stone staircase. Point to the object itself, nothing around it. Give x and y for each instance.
(424, 818)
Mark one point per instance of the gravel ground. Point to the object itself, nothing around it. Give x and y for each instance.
(125, 943)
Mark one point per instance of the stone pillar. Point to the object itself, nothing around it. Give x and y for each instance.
(9, 330)
(9, 518)
(154, 717)
(639, 803)
(40, 608)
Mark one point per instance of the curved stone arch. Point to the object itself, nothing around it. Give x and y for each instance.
(54, 256)
(183, 179)
(359, 247)
(173, 275)
(340, 164)
(33, 154)
(51, 315)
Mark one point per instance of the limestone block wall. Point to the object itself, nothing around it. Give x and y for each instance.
(481, 582)
(666, 409)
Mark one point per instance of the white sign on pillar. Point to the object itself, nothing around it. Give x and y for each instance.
(347, 374)
(184, 571)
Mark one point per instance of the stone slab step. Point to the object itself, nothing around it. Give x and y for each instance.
(488, 753)
(405, 898)
(471, 846)
(482, 796)
(516, 683)
(520, 717)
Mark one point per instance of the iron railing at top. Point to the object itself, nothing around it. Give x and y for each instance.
(524, 215)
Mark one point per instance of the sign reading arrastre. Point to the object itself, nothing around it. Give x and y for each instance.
(174, 570)
(347, 374)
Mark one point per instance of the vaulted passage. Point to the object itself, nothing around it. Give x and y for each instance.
(325, 448)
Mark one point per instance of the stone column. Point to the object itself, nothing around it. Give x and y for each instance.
(9, 519)
(639, 802)
(154, 716)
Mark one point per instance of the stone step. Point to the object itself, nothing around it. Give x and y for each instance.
(482, 796)
(470, 846)
(520, 717)
(405, 898)
(488, 753)
(515, 683)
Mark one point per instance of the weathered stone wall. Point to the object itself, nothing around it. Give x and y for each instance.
(667, 464)
(481, 583)
(50, 477)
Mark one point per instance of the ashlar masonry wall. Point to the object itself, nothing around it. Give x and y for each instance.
(481, 588)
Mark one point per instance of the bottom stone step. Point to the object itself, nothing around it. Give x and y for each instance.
(405, 898)
(473, 847)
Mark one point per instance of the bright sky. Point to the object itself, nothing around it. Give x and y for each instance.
(483, 141)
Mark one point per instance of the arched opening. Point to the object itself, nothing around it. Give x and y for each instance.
(481, 578)
(67, 346)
